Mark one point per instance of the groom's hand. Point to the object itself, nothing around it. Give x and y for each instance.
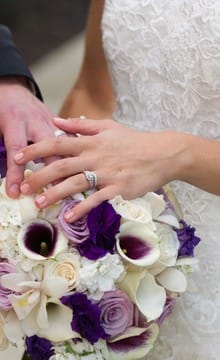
(23, 118)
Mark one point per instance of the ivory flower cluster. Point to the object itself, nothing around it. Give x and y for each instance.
(98, 288)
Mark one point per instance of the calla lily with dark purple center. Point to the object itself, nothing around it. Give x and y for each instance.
(38, 348)
(138, 244)
(39, 239)
(134, 343)
(187, 238)
(86, 317)
(78, 231)
(103, 223)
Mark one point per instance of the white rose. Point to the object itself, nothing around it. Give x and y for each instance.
(169, 244)
(132, 210)
(65, 266)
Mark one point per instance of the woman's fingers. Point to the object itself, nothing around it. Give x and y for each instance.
(70, 186)
(82, 126)
(59, 146)
(55, 171)
(92, 201)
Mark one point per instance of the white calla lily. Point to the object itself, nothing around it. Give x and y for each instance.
(13, 329)
(23, 304)
(137, 244)
(173, 280)
(133, 352)
(171, 196)
(143, 290)
(38, 239)
(156, 202)
(59, 319)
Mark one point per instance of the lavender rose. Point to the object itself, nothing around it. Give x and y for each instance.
(188, 240)
(5, 268)
(117, 312)
(77, 232)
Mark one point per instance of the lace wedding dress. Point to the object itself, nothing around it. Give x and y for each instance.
(164, 58)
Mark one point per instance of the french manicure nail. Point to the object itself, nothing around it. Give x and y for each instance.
(40, 199)
(25, 188)
(18, 156)
(69, 215)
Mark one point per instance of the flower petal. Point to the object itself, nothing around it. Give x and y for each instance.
(24, 303)
(173, 280)
(157, 203)
(142, 288)
(134, 343)
(59, 323)
(137, 244)
(39, 239)
(12, 328)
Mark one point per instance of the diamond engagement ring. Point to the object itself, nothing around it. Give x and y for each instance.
(91, 177)
(59, 132)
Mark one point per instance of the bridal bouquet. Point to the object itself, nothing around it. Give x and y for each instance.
(98, 288)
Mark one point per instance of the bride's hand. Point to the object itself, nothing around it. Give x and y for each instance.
(126, 162)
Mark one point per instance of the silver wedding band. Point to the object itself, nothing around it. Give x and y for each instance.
(91, 177)
(59, 132)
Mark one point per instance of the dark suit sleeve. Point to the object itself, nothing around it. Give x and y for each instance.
(11, 62)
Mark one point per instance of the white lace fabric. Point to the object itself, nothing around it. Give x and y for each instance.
(164, 59)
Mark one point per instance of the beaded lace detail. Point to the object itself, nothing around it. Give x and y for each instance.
(164, 59)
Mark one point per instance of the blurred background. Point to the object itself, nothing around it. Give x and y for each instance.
(50, 36)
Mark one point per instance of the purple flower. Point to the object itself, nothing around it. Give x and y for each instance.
(5, 268)
(188, 240)
(168, 308)
(38, 348)
(103, 223)
(3, 158)
(77, 232)
(117, 312)
(86, 317)
(130, 343)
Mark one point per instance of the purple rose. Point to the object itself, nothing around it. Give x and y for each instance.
(103, 223)
(188, 240)
(5, 268)
(117, 312)
(86, 317)
(77, 232)
(38, 348)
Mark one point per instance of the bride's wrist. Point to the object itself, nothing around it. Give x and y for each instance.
(187, 159)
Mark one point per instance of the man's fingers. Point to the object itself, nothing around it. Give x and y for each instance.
(15, 139)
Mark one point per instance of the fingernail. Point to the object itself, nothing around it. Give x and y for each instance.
(18, 156)
(14, 189)
(58, 119)
(69, 216)
(40, 200)
(25, 188)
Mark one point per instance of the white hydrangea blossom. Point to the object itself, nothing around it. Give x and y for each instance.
(100, 276)
(82, 350)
